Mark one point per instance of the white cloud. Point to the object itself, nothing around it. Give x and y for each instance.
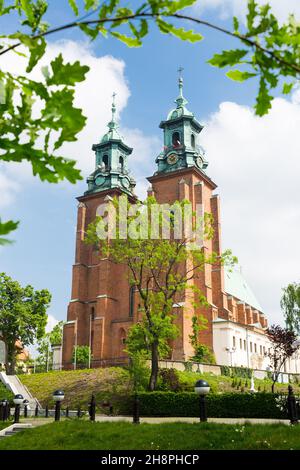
(227, 8)
(8, 188)
(255, 161)
(51, 322)
(93, 96)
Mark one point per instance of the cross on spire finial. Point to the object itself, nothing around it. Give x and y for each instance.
(113, 106)
(180, 70)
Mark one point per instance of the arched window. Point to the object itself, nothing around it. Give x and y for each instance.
(122, 341)
(176, 139)
(131, 301)
(121, 162)
(92, 313)
(193, 141)
(105, 161)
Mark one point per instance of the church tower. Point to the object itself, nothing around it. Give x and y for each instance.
(102, 307)
(181, 174)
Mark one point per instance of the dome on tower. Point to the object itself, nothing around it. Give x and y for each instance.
(180, 109)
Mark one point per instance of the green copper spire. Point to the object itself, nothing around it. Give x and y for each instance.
(181, 101)
(111, 161)
(182, 148)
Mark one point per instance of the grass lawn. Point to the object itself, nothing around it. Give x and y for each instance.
(174, 436)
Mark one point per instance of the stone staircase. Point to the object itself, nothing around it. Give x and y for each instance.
(13, 383)
(13, 429)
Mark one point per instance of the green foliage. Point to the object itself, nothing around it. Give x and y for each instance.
(5, 229)
(180, 33)
(81, 355)
(23, 316)
(5, 393)
(225, 405)
(238, 76)
(53, 338)
(225, 370)
(169, 380)
(153, 266)
(270, 52)
(204, 355)
(138, 369)
(243, 372)
(290, 304)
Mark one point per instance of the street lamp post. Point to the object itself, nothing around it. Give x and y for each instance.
(18, 400)
(25, 402)
(58, 397)
(202, 389)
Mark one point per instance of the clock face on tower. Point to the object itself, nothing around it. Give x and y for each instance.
(125, 183)
(99, 180)
(172, 158)
(199, 162)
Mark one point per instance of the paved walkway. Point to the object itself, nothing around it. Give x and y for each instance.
(104, 419)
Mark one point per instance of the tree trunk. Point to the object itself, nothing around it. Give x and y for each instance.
(273, 385)
(154, 367)
(10, 362)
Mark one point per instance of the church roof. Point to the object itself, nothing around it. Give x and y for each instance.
(236, 285)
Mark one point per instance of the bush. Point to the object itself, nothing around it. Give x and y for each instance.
(225, 370)
(169, 380)
(226, 405)
(204, 355)
(5, 393)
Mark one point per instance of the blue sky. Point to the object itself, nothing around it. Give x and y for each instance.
(253, 160)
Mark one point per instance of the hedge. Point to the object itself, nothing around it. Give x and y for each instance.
(225, 405)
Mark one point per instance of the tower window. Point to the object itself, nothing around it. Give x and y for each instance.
(105, 161)
(121, 162)
(193, 141)
(176, 139)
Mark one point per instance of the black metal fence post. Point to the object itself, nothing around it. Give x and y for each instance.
(25, 411)
(67, 412)
(17, 414)
(79, 412)
(92, 409)
(46, 411)
(36, 411)
(136, 409)
(292, 406)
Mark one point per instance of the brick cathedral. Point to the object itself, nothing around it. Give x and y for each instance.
(103, 306)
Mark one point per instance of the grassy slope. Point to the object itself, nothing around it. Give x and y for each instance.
(78, 385)
(120, 436)
(112, 382)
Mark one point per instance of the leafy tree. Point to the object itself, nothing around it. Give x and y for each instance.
(283, 347)
(161, 269)
(23, 317)
(269, 52)
(81, 355)
(290, 304)
(53, 338)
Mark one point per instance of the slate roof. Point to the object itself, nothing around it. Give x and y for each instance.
(236, 285)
